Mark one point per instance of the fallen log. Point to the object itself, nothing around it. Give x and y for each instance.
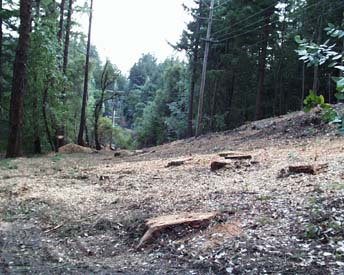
(229, 153)
(157, 224)
(177, 162)
(239, 157)
(312, 169)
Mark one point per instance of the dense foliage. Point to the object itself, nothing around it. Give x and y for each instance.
(253, 72)
(317, 55)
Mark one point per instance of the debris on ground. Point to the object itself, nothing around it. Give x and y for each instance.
(85, 213)
(312, 169)
(177, 162)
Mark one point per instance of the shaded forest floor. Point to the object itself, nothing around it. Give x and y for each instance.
(85, 213)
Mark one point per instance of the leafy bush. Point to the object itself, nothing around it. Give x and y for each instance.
(121, 137)
(312, 101)
(314, 54)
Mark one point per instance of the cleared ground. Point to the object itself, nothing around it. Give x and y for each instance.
(85, 213)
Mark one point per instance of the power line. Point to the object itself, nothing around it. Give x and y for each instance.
(237, 23)
(258, 27)
(260, 20)
(221, 5)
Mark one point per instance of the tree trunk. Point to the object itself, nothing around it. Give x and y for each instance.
(213, 107)
(316, 66)
(276, 94)
(96, 120)
(113, 123)
(230, 99)
(44, 112)
(85, 95)
(38, 8)
(303, 84)
(37, 148)
(18, 84)
(67, 38)
(262, 65)
(60, 32)
(193, 75)
(329, 87)
(1, 75)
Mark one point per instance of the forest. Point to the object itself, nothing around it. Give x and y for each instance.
(253, 72)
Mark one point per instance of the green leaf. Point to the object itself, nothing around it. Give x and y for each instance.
(297, 39)
(339, 96)
(340, 82)
(340, 68)
(332, 64)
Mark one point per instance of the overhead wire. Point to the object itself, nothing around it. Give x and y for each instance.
(222, 4)
(308, 20)
(260, 20)
(253, 15)
(221, 38)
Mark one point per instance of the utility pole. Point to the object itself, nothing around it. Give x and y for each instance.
(204, 71)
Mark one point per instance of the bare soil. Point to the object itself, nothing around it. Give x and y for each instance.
(85, 213)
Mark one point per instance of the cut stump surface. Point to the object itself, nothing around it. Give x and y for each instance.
(162, 222)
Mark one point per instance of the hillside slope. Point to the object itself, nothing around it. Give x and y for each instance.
(85, 213)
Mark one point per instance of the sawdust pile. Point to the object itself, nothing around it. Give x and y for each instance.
(74, 149)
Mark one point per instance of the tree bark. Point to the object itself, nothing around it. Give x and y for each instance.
(18, 84)
(37, 148)
(85, 94)
(230, 98)
(67, 38)
(38, 8)
(1, 75)
(96, 120)
(303, 84)
(316, 66)
(262, 65)
(60, 32)
(44, 112)
(213, 107)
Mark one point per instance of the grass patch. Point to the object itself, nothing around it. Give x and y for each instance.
(339, 186)
(56, 158)
(6, 164)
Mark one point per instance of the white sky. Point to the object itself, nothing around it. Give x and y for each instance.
(125, 29)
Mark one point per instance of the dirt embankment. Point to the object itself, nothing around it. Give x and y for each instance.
(85, 213)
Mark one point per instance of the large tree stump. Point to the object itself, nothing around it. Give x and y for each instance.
(219, 164)
(157, 224)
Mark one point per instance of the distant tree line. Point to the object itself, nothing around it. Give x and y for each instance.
(64, 93)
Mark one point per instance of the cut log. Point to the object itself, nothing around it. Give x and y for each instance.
(177, 162)
(230, 153)
(239, 157)
(313, 169)
(157, 224)
(218, 164)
